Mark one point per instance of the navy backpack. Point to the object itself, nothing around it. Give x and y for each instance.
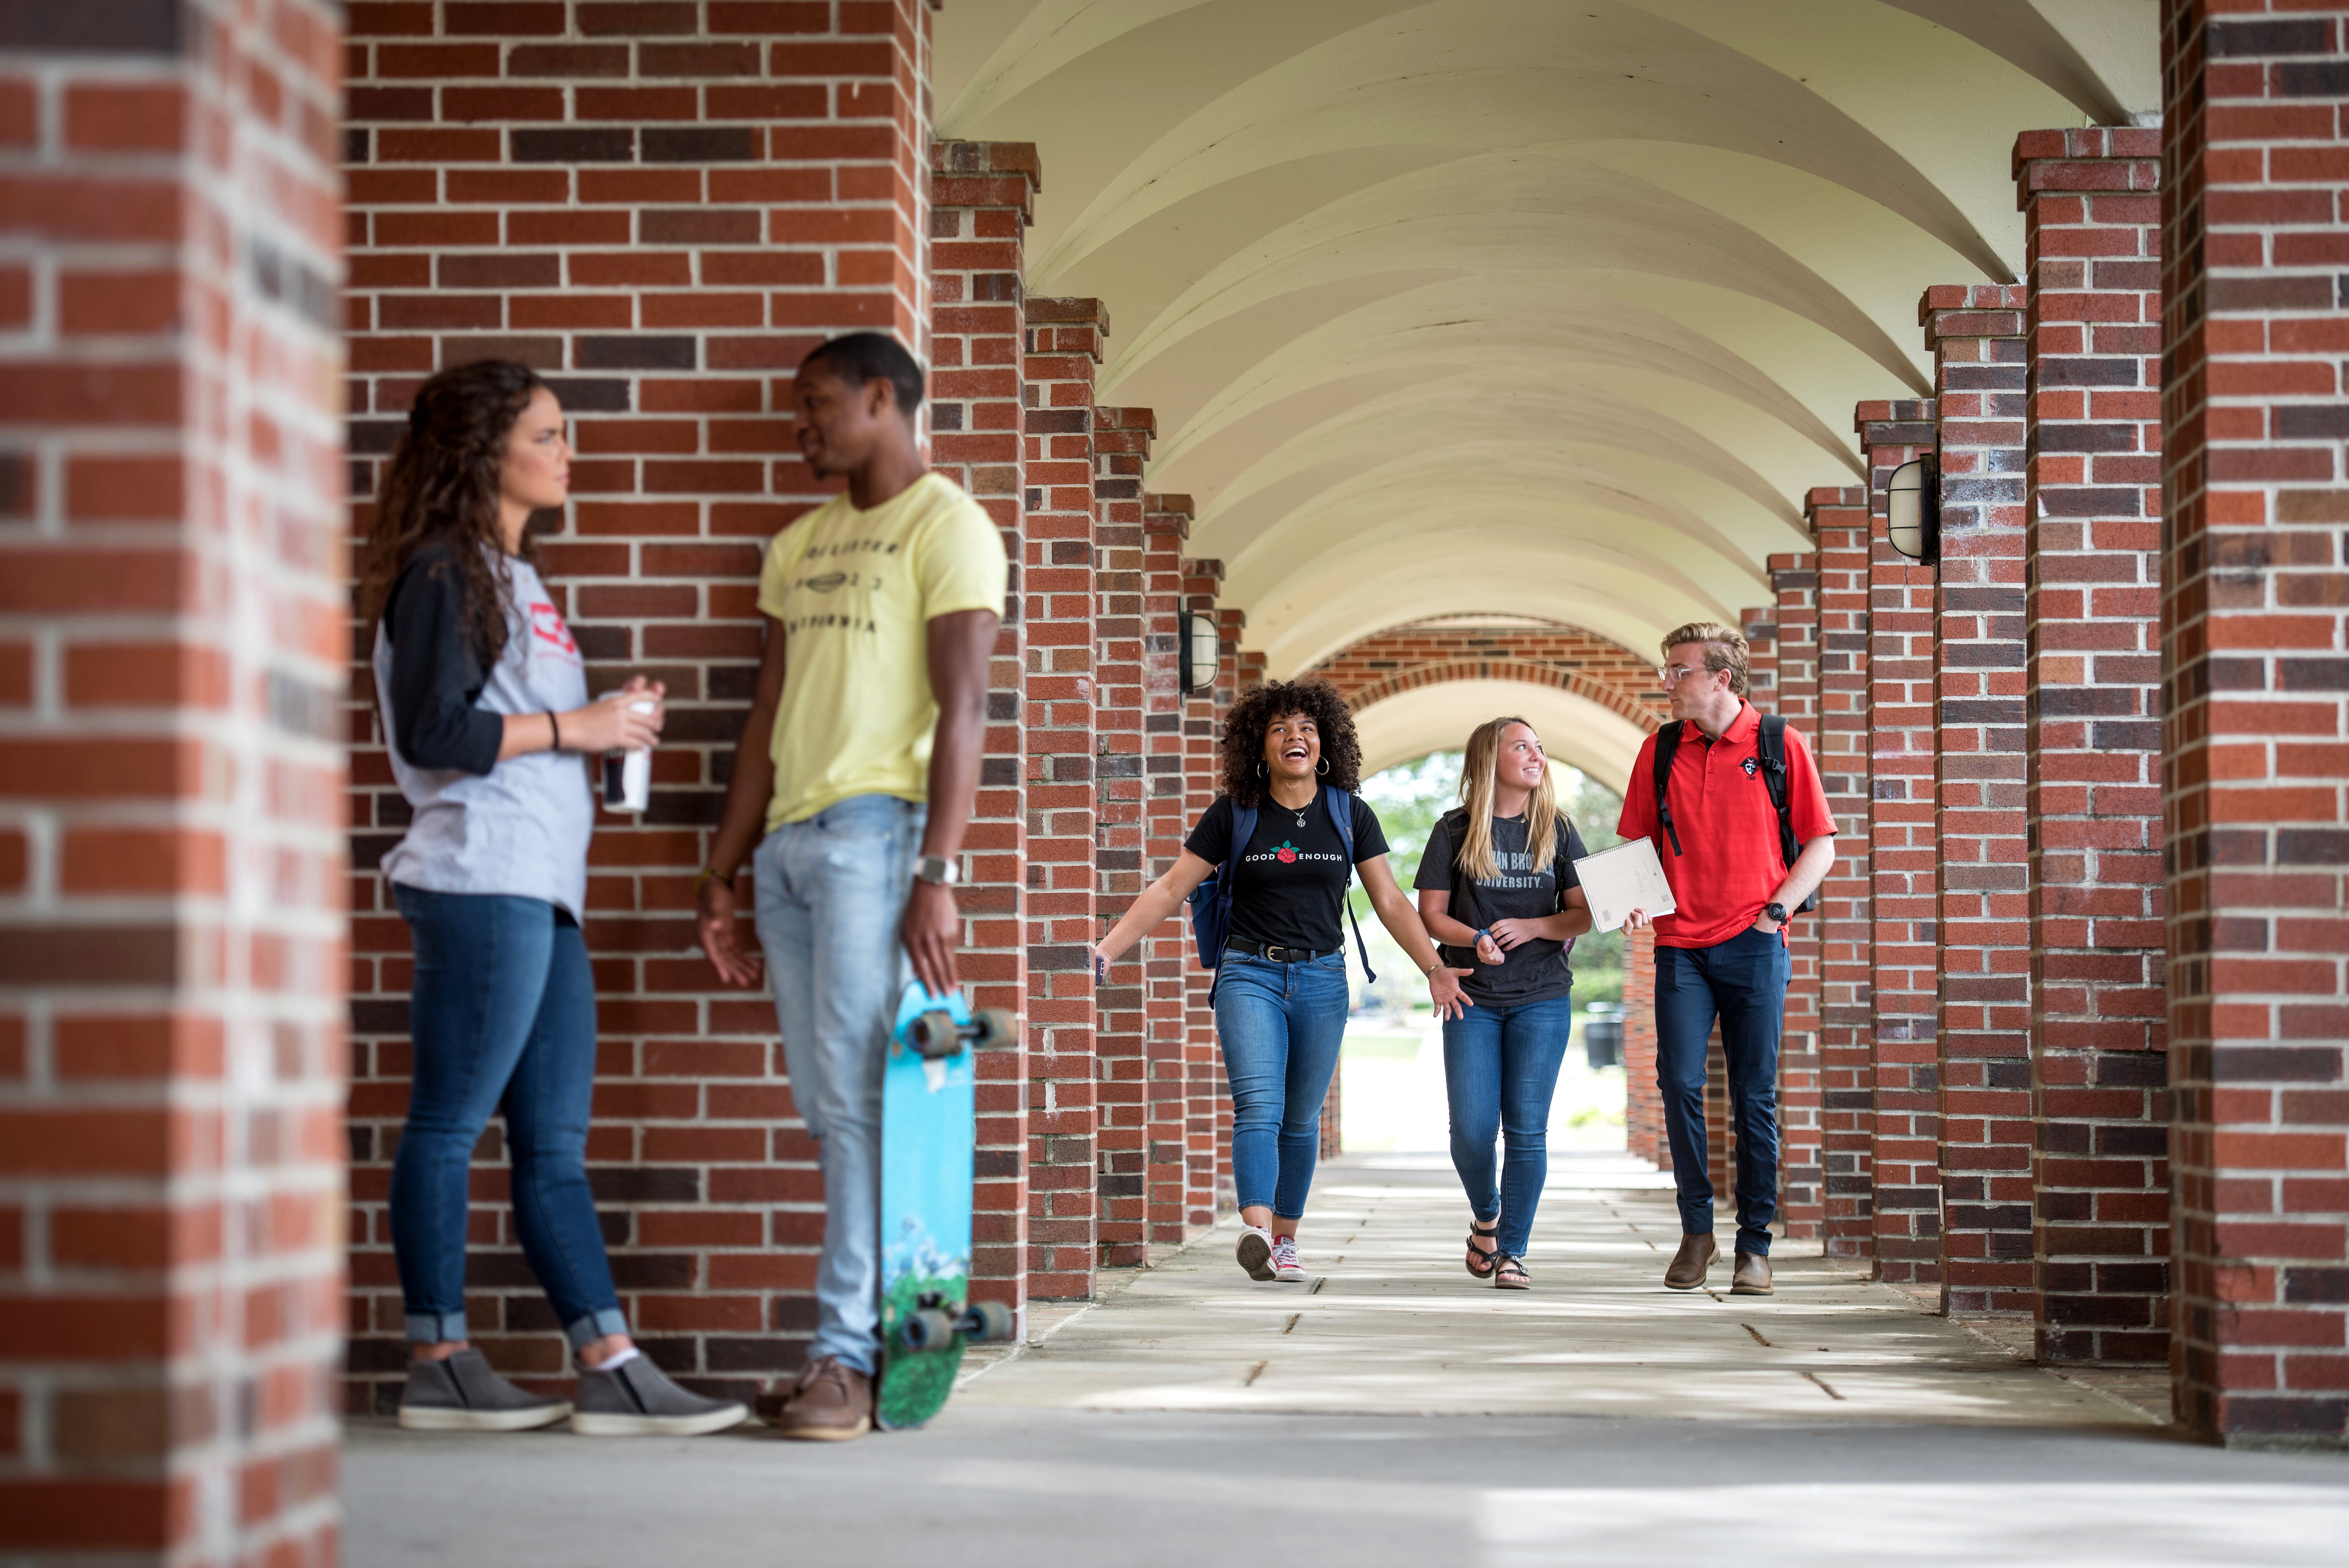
(1211, 901)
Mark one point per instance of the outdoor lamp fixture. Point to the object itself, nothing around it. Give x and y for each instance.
(1913, 514)
(1201, 653)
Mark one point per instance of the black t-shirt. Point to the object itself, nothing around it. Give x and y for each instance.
(1534, 971)
(1290, 888)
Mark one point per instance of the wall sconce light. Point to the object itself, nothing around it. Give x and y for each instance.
(1201, 651)
(1913, 510)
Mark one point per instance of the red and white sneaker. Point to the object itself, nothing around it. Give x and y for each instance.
(1284, 1259)
(1255, 1252)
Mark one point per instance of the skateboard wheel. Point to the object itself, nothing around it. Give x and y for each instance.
(935, 1033)
(996, 1028)
(928, 1329)
(987, 1322)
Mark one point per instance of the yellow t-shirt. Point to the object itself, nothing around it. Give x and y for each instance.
(856, 591)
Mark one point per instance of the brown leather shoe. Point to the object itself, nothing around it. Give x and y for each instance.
(1753, 1276)
(1696, 1256)
(831, 1403)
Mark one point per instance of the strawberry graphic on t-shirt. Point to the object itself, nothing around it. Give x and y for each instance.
(1287, 853)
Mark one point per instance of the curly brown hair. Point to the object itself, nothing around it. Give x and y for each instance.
(1253, 713)
(442, 485)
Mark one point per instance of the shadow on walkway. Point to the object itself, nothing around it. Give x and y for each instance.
(1392, 1410)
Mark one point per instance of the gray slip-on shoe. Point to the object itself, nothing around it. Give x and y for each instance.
(636, 1400)
(460, 1394)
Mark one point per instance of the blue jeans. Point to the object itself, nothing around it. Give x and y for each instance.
(830, 894)
(1744, 980)
(1500, 1068)
(1280, 1026)
(502, 1013)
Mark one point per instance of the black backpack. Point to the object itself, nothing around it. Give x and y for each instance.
(1770, 746)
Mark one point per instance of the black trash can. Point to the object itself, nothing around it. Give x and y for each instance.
(1602, 1035)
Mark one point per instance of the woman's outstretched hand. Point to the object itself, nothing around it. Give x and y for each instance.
(1443, 986)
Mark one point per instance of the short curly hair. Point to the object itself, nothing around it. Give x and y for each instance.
(1254, 713)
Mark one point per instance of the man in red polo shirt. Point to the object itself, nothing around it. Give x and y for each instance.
(1722, 952)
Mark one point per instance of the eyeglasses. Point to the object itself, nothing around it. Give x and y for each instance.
(1672, 674)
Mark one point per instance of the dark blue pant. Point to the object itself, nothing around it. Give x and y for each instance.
(503, 1017)
(1743, 981)
(1500, 1070)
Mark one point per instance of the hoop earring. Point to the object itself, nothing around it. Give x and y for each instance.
(1259, 770)
(1324, 768)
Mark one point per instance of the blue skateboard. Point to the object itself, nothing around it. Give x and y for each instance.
(929, 1127)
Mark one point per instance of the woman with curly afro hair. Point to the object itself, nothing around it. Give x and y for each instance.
(1291, 768)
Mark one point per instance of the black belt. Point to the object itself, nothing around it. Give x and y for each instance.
(1278, 954)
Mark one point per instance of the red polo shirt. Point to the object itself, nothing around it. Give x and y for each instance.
(1729, 865)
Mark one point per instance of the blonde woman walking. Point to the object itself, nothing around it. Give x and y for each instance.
(1497, 890)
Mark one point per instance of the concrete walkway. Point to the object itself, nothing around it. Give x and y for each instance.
(1394, 1410)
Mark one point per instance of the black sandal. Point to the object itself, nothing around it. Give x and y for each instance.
(1509, 1273)
(1477, 1255)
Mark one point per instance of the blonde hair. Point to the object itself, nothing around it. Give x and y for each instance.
(1476, 794)
(1724, 649)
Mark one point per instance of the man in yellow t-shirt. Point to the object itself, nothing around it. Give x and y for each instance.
(854, 778)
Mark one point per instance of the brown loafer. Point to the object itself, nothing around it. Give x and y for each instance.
(1696, 1256)
(1753, 1276)
(831, 1403)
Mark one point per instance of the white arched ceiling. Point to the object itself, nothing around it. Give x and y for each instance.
(1537, 307)
(1574, 729)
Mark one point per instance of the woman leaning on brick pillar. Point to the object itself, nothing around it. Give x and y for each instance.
(485, 712)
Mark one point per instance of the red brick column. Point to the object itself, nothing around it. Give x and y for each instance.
(1643, 1103)
(1838, 523)
(172, 865)
(1063, 353)
(663, 208)
(981, 196)
(2256, 747)
(2100, 1080)
(1904, 861)
(1121, 1045)
(1975, 335)
(1167, 962)
(1204, 1194)
(1792, 627)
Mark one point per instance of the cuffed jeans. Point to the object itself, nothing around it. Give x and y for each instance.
(1280, 1026)
(831, 897)
(1500, 1070)
(502, 1013)
(1743, 981)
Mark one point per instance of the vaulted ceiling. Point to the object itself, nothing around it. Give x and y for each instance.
(1535, 307)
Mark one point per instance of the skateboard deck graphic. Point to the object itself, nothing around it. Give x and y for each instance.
(928, 1129)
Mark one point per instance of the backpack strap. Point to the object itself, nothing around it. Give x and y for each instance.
(1340, 803)
(1668, 742)
(1243, 829)
(1770, 746)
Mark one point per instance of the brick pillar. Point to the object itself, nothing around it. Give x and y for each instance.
(1203, 1082)
(981, 198)
(1904, 958)
(2253, 727)
(1975, 335)
(2100, 1080)
(171, 769)
(1838, 524)
(1793, 625)
(1121, 1045)
(663, 212)
(1063, 353)
(1167, 964)
(1643, 1103)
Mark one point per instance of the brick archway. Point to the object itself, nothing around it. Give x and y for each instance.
(1405, 658)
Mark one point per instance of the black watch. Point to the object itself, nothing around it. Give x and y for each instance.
(1776, 911)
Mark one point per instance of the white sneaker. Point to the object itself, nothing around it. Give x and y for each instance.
(1284, 1259)
(1255, 1252)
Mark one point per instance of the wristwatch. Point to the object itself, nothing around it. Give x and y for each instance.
(1776, 911)
(937, 870)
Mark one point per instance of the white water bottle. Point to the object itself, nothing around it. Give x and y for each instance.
(628, 775)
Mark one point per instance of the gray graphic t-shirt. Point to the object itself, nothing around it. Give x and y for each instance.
(1535, 971)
